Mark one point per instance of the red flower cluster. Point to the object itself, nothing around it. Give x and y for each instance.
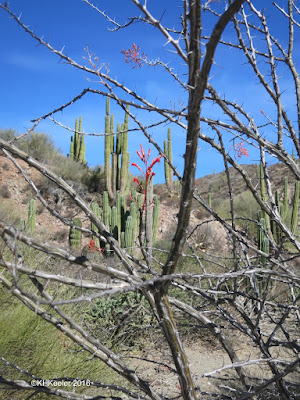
(148, 174)
(133, 56)
(240, 150)
(92, 248)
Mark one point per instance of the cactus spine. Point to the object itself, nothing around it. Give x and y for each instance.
(168, 153)
(116, 154)
(75, 235)
(77, 148)
(31, 216)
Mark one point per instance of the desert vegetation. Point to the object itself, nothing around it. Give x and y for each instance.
(113, 287)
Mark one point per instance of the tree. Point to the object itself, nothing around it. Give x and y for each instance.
(232, 293)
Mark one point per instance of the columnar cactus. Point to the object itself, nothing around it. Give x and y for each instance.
(31, 216)
(108, 148)
(123, 213)
(96, 210)
(149, 218)
(263, 242)
(123, 244)
(77, 148)
(295, 211)
(209, 198)
(288, 218)
(106, 211)
(274, 227)
(124, 224)
(114, 225)
(134, 212)
(22, 224)
(168, 153)
(75, 235)
(264, 195)
(155, 217)
(129, 236)
(116, 154)
(285, 199)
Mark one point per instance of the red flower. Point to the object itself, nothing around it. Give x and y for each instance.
(240, 150)
(154, 161)
(135, 165)
(92, 247)
(133, 56)
(148, 174)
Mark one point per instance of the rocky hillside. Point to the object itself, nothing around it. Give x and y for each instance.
(15, 194)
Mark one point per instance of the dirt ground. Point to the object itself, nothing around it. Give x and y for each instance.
(208, 362)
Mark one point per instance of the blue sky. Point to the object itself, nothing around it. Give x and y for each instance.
(33, 81)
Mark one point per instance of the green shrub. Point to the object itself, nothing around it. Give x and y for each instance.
(245, 206)
(41, 349)
(94, 179)
(119, 318)
(8, 134)
(8, 213)
(69, 170)
(38, 145)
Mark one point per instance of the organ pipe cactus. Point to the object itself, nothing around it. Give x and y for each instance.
(263, 242)
(123, 213)
(123, 224)
(75, 235)
(116, 164)
(106, 210)
(155, 217)
(134, 212)
(77, 148)
(129, 234)
(168, 153)
(114, 226)
(31, 216)
(96, 210)
(295, 210)
(264, 218)
(22, 224)
(209, 198)
(285, 199)
(288, 218)
(264, 195)
(149, 218)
